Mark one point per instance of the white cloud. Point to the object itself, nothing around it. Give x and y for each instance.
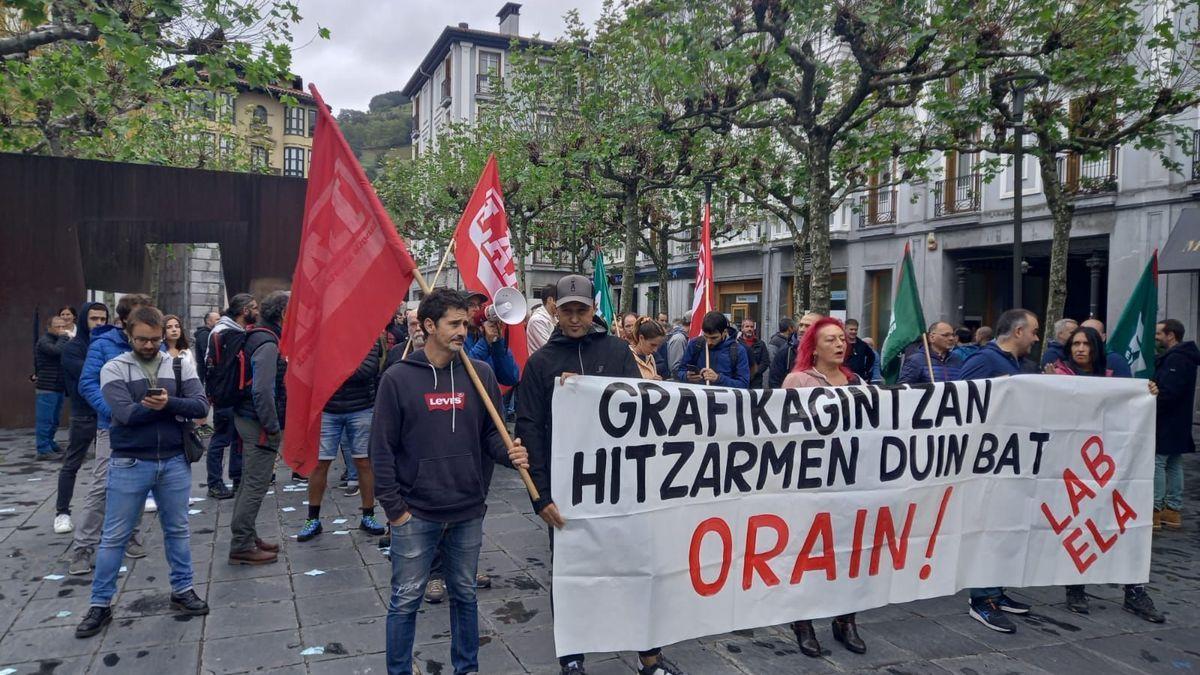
(376, 45)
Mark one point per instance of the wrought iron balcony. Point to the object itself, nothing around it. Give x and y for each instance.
(1080, 176)
(877, 207)
(956, 195)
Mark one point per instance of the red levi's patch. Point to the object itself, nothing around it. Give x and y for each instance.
(445, 400)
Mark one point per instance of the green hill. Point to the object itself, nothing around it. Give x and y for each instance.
(384, 130)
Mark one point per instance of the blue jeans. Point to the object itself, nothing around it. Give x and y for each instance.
(992, 592)
(48, 409)
(413, 546)
(1168, 482)
(224, 436)
(129, 481)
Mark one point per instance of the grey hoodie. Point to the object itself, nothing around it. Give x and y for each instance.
(433, 442)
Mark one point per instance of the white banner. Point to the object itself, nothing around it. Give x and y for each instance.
(695, 511)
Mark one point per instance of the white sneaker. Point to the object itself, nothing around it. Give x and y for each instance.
(63, 524)
(151, 505)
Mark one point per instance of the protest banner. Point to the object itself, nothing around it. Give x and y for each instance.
(695, 511)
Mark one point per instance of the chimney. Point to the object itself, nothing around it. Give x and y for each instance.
(510, 17)
(463, 25)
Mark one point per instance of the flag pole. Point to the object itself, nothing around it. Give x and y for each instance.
(928, 360)
(708, 254)
(487, 400)
(445, 256)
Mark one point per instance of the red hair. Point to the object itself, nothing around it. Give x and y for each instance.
(806, 353)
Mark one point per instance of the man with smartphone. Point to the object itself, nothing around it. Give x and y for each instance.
(432, 447)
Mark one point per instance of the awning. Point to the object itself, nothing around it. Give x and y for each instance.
(1182, 250)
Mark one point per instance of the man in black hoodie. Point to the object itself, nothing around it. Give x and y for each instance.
(1176, 378)
(83, 419)
(432, 448)
(580, 345)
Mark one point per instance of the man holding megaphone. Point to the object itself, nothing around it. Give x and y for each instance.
(485, 339)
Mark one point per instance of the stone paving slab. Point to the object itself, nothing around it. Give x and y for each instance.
(264, 617)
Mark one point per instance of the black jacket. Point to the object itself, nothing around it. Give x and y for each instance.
(861, 359)
(73, 356)
(596, 353)
(48, 364)
(200, 348)
(1176, 378)
(782, 362)
(358, 391)
(760, 362)
(433, 442)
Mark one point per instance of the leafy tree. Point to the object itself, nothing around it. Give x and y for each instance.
(85, 78)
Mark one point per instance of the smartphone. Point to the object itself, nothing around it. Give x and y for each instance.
(156, 391)
(692, 369)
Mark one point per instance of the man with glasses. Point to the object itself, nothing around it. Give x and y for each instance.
(945, 364)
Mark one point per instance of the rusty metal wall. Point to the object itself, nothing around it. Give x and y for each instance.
(68, 224)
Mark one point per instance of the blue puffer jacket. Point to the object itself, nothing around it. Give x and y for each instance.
(991, 361)
(73, 357)
(728, 374)
(108, 342)
(497, 355)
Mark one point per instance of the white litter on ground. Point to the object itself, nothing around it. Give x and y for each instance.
(288, 509)
(53, 577)
(313, 651)
(192, 512)
(63, 614)
(314, 573)
(341, 532)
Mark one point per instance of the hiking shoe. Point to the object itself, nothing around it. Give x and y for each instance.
(1157, 524)
(662, 667)
(253, 556)
(151, 505)
(1172, 519)
(81, 562)
(989, 613)
(573, 668)
(1011, 606)
(63, 524)
(189, 603)
(134, 550)
(220, 492)
(93, 622)
(312, 527)
(1077, 600)
(435, 591)
(371, 526)
(351, 490)
(1137, 601)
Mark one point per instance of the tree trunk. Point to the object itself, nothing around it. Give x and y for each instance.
(630, 222)
(817, 227)
(664, 270)
(1060, 245)
(799, 277)
(520, 246)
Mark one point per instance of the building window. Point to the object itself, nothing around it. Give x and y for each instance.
(226, 111)
(877, 305)
(226, 145)
(294, 121)
(312, 122)
(258, 157)
(293, 161)
(446, 82)
(259, 115)
(489, 69)
(200, 104)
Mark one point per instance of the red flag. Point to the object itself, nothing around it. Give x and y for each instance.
(352, 273)
(483, 252)
(702, 301)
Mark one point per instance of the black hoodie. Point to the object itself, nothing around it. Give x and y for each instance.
(1176, 378)
(596, 353)
(73, 356)
(433, 442)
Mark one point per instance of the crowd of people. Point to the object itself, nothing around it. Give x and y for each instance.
(414, 434)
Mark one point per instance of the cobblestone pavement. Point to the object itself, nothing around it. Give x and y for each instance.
(264, 618)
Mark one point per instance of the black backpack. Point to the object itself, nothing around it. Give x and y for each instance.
(227, 375)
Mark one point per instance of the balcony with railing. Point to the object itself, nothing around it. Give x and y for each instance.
(957, 195)
(446, 88)
(878, 207)
(1080, 176)
(1196, 155)
(483, 85)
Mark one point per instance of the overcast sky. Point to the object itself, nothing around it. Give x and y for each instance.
(376, 45)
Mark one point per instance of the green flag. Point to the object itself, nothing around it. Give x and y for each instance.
(907, 323)
(1133, 336)
(604, 306)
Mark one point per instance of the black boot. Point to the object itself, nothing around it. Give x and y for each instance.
(188, 602)
(94, 621)
(806, 637)
(845, 631)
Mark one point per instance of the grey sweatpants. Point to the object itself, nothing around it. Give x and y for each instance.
(91, 520)
(258, 466)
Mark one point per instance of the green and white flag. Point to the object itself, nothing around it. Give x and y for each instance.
(1133, 336)
(604, 306)
(907, 323)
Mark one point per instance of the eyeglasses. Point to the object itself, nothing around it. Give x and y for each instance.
(147, 340)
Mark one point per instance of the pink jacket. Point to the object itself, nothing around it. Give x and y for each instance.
(810, 378)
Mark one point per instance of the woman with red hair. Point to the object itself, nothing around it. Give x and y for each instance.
(820, 363)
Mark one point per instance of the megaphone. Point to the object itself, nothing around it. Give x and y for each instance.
(508, 306)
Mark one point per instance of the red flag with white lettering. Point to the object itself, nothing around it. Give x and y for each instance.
(483, 251)
(702, 300)
(352, 273)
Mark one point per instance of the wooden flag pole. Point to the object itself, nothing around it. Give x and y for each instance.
(708, 273)
(928, 360)
(445, 256)
(487, 400)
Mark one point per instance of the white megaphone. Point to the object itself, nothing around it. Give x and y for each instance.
(508, 306)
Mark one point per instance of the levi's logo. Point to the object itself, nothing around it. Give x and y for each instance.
(445, 400)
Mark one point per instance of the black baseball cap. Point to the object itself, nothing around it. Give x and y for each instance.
(576, 288)
(471, 295)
